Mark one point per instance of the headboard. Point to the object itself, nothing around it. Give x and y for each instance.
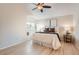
(49, 30)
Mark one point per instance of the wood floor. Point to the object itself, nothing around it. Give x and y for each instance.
(28, 48)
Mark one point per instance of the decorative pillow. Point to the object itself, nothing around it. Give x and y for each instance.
(49, 30)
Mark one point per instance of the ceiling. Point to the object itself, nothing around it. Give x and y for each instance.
(58, 9)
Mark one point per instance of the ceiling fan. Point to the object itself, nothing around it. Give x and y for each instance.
(40, 6)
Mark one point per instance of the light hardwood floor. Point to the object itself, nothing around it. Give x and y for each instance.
(28, 48)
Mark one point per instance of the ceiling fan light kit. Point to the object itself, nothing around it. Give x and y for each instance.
(40, 7)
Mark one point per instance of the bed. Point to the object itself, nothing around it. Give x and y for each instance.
(50, 40)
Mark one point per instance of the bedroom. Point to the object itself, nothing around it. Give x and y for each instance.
(16, 36)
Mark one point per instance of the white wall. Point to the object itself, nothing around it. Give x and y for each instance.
(12, 24)
(76, 32)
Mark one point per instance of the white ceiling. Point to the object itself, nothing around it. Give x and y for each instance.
(58, 9)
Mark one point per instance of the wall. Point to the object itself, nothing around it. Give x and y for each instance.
(76, 32)
(64, 21)
(12, 24)
(61, 21)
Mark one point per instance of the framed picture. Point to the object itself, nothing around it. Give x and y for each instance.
(53, 22)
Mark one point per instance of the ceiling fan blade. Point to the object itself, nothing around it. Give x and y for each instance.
(41, 10)
(42, 3)
(38, 4)
(34, 8)
(46, 6)
(34, 3)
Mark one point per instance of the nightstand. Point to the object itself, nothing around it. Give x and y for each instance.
(68, 37)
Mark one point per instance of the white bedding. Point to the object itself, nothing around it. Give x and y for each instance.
(49, 40)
